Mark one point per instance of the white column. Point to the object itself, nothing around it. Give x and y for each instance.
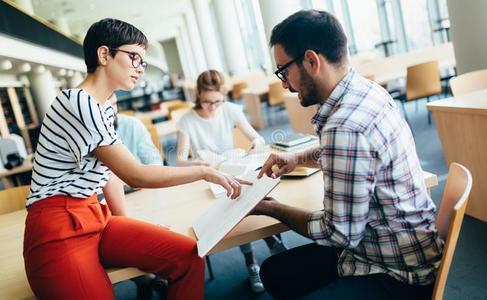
(188, 52)
(233, 47)
(207, 32)
(43, 90)
(467, 32)
(75, 80)
(26, 5)
(274, 12)
(195, 40)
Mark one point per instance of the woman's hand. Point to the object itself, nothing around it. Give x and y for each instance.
(258, 145)
(232, 184)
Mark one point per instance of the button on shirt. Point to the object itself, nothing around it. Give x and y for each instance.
(64, 163)
(376, 207)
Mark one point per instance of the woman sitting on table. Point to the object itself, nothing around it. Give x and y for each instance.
(209, 126)
(69, 236)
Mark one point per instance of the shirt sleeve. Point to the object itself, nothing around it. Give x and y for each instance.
(146, 150)
(98, 121)
(235, 112)
(348, 164)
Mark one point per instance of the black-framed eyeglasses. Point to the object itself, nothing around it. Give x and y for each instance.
(208, 104)
(280, 72)
(134, 56)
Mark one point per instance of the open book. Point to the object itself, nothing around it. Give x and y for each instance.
(224, 214)
(236, 162)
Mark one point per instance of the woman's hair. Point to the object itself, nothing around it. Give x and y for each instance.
(210, 80)
(111, 33)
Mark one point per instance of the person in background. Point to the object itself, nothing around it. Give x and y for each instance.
(70, 237)
(209, 126)
(375, 237)
(135, 136)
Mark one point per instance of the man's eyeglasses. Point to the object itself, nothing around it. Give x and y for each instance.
(281, 71)
(135, 57)
(208, 104)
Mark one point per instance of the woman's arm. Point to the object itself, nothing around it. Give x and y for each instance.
(120, 161)
(257, 141)
(115, 196)
(182, 154)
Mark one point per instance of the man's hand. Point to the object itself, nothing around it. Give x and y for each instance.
(284, 164)
(232, 184)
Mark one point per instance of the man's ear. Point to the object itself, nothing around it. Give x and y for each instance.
(312, 62)
(103, 55)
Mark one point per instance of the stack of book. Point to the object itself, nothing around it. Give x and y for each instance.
(296, 142)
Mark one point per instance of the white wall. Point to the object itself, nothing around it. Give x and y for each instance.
(468, 24)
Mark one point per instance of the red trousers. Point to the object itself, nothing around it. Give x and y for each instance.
(68, 242)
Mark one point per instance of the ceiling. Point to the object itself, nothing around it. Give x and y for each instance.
(154, 17)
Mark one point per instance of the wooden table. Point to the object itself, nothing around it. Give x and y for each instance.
(7, 175)
(394, 67)
(166, 128)
(462, 126)
(175, 206)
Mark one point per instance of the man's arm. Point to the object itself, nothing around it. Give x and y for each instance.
(295, 218)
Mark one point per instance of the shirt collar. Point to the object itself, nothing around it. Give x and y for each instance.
(324, 110)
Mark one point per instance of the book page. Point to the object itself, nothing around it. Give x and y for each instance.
(224, 214)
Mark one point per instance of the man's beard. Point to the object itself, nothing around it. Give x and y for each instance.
(309, 93)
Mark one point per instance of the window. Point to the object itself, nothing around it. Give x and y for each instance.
(417, 24)
(365, 25)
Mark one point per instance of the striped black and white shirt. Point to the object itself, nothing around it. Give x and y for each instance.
(64, 163)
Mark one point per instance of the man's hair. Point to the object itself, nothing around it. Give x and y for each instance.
(311, 30)
(210, 80)
(111, 33)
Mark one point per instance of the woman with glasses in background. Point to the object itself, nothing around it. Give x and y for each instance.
(209, 126)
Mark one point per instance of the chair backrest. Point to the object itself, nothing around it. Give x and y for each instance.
(449, 221)
(240, 140)
(299, 116)
(13, 199)
(237, 89)
(155, 140)
(469, 82)
(423, 80)
(176, 114)
(129, 112)
(276, 91)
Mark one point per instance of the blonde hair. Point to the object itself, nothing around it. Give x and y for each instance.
(210, 80)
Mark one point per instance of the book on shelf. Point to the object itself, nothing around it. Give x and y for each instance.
(224, 214)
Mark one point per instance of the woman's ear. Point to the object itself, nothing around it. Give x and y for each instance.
(103, 54)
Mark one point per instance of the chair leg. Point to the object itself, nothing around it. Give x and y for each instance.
(405, 114)
(210, 269)
(429, 112)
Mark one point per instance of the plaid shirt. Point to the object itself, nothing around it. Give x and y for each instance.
(376, 207)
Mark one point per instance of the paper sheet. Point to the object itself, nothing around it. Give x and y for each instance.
(224, 213)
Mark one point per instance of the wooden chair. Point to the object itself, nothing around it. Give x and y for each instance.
(177, 113)
(449, 221)
(422, 81)
(238, 88)
(13, 199)
(469, 82)
(276, 91)
(129, 112)
(240, 140)
(156, 141)
(299, 116)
